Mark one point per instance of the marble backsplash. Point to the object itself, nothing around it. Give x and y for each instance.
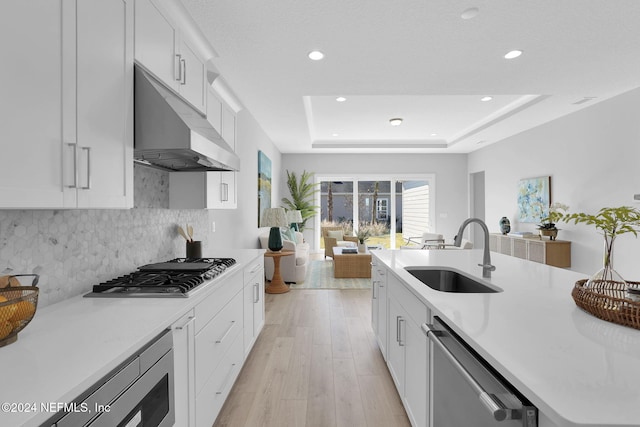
(72, 250)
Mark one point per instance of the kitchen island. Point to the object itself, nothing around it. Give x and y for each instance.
(576, 369)
(71, 345)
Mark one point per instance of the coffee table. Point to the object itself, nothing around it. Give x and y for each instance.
(351, 265)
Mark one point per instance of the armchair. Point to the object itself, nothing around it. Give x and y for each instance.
(292, 268)
(334, 236)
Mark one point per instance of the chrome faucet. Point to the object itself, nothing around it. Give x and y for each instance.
(487, 268)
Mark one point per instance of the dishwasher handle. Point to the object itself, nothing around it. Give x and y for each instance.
(495, 407)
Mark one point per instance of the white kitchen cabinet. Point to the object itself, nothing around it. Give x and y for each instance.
(408, 350)
(379, 305)
(69, 105)
(253, 303)
(184, 370)
(203, 190)
(161, 49)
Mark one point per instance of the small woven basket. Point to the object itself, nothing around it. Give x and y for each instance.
(17, 311)
(607, 300)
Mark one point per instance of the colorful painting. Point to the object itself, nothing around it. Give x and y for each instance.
(533, 199)
(264, 183)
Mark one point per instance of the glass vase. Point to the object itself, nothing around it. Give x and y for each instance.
(607, 272)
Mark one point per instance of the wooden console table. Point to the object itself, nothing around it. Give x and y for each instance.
(551, 252)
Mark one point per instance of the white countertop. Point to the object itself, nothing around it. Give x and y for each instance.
(69, 346)
(577, 369)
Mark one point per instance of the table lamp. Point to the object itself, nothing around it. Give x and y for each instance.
(294, 218)
(274, 218)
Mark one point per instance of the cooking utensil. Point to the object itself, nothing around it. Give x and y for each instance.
(183, 234)
(190, 232)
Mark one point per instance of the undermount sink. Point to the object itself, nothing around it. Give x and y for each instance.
(450, 281)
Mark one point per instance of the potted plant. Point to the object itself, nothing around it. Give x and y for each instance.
(610, 222)
(302, 195)
(366, 230)
(547, 226)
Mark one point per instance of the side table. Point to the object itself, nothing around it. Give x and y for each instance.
(277, 285)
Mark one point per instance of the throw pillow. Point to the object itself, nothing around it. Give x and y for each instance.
(335, 234)
(288, 234)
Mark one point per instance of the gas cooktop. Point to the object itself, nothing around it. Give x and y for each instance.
(175, 278)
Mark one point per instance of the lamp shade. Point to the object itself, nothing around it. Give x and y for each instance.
(294, 216)
(274, 218)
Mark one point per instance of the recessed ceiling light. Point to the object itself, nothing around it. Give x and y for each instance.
(434, 134)
(334, 134)
(470, 13)
(481, 142)
(395, 121)
(316, 55)
(341, 99)
(486, 98)
(513, 54)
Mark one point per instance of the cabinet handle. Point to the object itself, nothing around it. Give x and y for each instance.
(88, 150)
(401, 342)
(256, 268)
(185, 324)
(373, 290)
(226, 333)
(177, 68)
(226, 380)
(256, 293)
(75, 165)
(398, 328)
(224, 192)
(183, 72)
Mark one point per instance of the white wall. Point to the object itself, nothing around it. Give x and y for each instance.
(238, 228)
(450, 171)
(593, 158)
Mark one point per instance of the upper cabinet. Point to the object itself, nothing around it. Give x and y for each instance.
(162, 49)
(68, 128)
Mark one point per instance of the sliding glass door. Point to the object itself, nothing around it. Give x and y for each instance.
(394, 209)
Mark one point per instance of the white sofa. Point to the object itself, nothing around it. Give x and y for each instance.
(292, 268)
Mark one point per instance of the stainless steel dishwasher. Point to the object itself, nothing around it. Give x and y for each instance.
(466, 391)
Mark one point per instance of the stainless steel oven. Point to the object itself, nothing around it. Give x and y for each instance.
(467, 391)
(139, 393)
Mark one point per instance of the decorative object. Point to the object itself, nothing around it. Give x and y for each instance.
(194, 249)
(533, 198)
(264, 184)
(302, 196)
(505, 225)
(611, 222)
(277, 285)
(294, 217)
(274, 218)
(366, 230)
(608, 300)
(547, 226)
(17, 307)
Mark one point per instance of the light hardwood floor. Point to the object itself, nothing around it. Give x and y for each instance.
(316, 363)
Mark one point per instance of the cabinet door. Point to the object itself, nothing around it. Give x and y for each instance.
(105, 103)
(416, 385)
(155, 43)
(184, 362)
(38, 50)
(258, 307)
(229, 126)
(221, 190)
(192, 84)
(395, 349)
(253, 305)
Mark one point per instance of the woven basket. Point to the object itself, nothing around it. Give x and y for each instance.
(607, 300)
(17, 311)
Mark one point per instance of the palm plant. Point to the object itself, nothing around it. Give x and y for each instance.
(302, 195)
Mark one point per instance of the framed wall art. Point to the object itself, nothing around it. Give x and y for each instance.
(264, 183)
(534, 197)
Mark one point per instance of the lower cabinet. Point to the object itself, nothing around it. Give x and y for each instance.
(379, 305)
(408, 350)
(210, 345)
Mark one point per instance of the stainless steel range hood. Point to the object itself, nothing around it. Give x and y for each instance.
(173, 136)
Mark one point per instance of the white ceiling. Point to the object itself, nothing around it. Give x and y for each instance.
(421, 61)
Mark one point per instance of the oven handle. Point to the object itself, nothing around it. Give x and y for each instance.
(495, 407)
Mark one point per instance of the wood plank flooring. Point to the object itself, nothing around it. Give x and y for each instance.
(316, 363)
